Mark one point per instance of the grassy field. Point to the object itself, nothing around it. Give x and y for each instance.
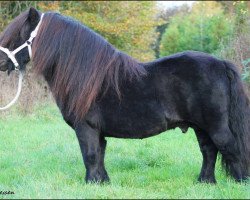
(40, 158)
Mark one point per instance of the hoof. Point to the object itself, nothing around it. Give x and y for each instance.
(209, 180)
(97, 178)
(242, 180)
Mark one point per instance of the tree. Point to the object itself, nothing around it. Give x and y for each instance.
(238, 49)
(164, 16)
(10, 9)
(129, 26)
(203, 29)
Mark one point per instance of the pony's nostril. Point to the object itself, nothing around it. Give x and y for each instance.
(3, 62)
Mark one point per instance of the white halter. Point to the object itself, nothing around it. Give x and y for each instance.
(11, 55)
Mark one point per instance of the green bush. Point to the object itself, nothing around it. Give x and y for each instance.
(201, 30)
(246, 71)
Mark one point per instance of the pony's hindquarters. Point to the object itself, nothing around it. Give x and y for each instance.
(239, 122)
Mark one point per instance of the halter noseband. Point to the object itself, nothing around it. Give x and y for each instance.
(28, 43)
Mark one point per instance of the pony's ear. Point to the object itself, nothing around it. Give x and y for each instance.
(33, 16)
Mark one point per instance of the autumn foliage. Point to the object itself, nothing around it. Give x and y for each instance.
(129, 26)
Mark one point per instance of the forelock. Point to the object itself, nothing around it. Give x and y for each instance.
(12, 31)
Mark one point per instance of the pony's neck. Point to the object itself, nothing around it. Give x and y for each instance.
(77, 68)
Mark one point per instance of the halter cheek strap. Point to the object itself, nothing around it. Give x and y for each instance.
(28, 43)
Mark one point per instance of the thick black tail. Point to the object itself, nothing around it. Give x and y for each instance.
(239, 119)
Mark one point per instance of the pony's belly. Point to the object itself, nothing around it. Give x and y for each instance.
(135, 135)
(136, 129)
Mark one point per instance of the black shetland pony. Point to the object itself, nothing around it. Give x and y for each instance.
(103, 92)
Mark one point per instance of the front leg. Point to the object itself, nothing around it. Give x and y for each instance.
(93, 150)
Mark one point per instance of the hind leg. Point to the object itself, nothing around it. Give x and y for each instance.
(209, 153)
(93, 150)
(226, 143)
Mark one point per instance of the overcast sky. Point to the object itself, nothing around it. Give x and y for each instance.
(170, 4)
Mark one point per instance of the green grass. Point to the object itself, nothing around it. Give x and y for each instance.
(40, 158)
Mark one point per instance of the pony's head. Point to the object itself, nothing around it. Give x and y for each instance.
(16, 34)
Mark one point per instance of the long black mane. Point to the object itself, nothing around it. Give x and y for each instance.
(78, 62)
